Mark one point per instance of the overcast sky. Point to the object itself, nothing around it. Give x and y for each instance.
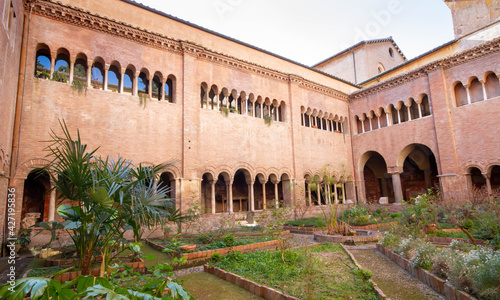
(309, 31)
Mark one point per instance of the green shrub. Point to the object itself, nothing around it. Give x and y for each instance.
(314, 222)
(390, 240)
(361, 220)
(229, 240)
(215, 257)
(394, 215)
(424, 256)
(355, 211)
(378, 211)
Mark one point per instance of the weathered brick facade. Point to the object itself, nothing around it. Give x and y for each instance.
(321, 124)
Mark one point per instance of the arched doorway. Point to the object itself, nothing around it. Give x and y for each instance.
(377, 182)
(241, 197)
(36, 195)
(477, 180)
(419, 170)
(206, 193)
(221, 193)
(495, 177)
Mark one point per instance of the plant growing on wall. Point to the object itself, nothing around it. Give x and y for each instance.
(79, 87)
(268, 120)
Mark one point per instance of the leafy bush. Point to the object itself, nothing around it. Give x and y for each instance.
(452, 234)
(355, 211)
(378, 211)
(314, 222)
(394, 215)
(361, 220)
(216, 257)
(229, 240)
(390, 240)
(486, 225)
(424, 256)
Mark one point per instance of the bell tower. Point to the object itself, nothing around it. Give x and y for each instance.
(470, 15)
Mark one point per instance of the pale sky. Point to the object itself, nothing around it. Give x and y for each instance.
(309, 31)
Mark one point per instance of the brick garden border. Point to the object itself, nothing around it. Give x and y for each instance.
(255, 288)
(437, 284)
(375, 237)
(379, 291)
(302, 229)
(373, 226)
(222, 251)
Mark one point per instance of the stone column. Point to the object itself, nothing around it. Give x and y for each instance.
(309, 194)
(251, 197)
(212, 192)
(398, 190)
(264, 194)
(488, 183)
(52, 205)
(378, 121)
(105, 81)
(335, 193)
(122, 79)
(218, 101)
(371, 126)
(246, 107)
(276, 195)
(468, 93)
(89, 74)
(399, 116)
(52, 64)
(230, 199)
(163, 82)
(136, 84)
(409, 113)
(150, 86)
(485, 96)
(420, 110)
(389, 123)
(71, 70)
(328, 194)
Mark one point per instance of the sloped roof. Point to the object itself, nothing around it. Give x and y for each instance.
(388, 39)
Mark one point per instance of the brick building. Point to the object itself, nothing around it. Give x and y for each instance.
(249, 129)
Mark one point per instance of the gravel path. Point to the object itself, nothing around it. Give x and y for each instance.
(396, 283)
(20, 264)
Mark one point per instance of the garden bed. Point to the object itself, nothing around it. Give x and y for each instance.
(373, 226)
(307, 273)
(362, 237)
(207, 253)
(437, 284)
(303, 229)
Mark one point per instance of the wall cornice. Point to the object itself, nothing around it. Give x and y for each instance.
(463, 57)
(78, 17)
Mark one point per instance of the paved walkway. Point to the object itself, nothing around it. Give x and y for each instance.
(395, 282)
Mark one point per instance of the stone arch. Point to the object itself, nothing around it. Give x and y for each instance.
(419, 170)
(43, 61)
(143, 82)
(204, 95)
(36, 198)
(373, 171)
(475, 178)
(491, 85)
(114, 76)
(62, 65)
(97, 73)
(128, 80)
(459, 94)
(241, 190)
(29, 165)
(80, 69)
(171, 88)
(156, 86)
(475, 90)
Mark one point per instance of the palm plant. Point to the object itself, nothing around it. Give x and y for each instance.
(108, 196)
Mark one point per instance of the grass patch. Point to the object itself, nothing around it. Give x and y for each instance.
(307, 274)
(202, 245)
(45, 271)
(314, 222)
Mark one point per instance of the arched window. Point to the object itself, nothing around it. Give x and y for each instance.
(395, 117)
(366, 124)
(114, 78)
(281, 111)
(425, 106)
(143, 83)
(61, 68)
(232, 103)
(80, 70)
(97, 75)
(359, 125)
(403, 113)
(383, 118)
(414, 110)
(307, 120)
(203, 95)
(324, 124)
(128, 80)
(476, 91)
(492, 85)
(156, 88)
(250, 106)
(170, 89)
(42, 62)
(258, 109)
(374, 121)
(212, 97)
(460, 94)
(239, 106)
